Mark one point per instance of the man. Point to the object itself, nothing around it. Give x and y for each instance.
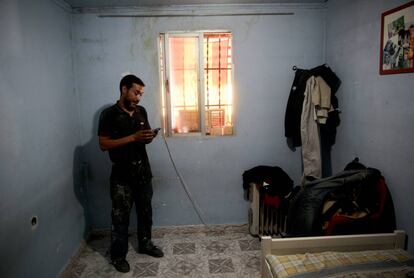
(410, 54)
(123, 132)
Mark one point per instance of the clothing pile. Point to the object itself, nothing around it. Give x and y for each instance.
(274, 186)
(273, 183)
(312, 116)
(354, 201)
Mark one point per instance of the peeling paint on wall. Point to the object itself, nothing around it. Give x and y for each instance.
(253, 20)
(98, 41)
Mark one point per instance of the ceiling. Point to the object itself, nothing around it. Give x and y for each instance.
(129, 3)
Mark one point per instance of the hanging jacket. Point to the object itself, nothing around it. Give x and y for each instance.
(294, 107)
(295, 102)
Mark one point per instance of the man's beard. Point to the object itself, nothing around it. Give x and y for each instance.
(129, 105)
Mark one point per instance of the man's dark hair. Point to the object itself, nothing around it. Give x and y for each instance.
(128, 80)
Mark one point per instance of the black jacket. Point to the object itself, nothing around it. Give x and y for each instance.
(295, 103)
(305, 210)
(280, 183)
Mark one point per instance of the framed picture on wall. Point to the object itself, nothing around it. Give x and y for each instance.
(397, 40)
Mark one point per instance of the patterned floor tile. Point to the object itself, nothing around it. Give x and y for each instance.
(220, 265)
(217, 246)
(158, 233)
(232, 229)
(249, 244)
(149, 269)
(215, 233)
(183, 267)
(252, 262)
(184, 248)
(196, 251)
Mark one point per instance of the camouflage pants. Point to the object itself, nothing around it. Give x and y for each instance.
(123, 196)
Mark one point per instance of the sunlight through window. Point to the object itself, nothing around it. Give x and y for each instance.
(196, 77)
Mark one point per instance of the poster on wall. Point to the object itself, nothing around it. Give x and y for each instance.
(397, 40)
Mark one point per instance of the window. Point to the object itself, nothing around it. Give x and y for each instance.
(196, 80)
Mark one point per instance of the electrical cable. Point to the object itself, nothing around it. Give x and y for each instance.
(183, 184)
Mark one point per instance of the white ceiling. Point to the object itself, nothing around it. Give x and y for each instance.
(129, 3)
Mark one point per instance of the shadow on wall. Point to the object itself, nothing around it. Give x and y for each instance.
(86, 158)
(79, 186)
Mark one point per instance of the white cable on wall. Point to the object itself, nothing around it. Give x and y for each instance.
(184, 185)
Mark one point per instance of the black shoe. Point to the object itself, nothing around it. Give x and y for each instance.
(147, 247)
(121, 265)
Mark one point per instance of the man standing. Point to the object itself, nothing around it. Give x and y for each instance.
(123, 132)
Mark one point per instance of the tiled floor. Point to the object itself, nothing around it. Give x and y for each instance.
(190, 251)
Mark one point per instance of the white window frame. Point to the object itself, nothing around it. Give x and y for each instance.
(165, 88)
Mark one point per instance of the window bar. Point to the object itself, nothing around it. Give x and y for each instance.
(201, 84)
(219, 85)
(183, 75)
(167, 59)
(207, 74)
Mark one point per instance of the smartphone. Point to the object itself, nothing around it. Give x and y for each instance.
(156, 130)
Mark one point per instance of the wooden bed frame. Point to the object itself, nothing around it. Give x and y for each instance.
(301, 245)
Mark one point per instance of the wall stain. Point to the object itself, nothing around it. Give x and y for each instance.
(95, 58)
(253, 20)
(88, 40)
(134, 36)
(148, 36)
(144, 36)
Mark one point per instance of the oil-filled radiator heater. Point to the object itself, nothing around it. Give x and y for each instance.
(267, 214)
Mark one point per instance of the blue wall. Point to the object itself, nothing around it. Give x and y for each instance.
(51, 100)
(39, 127)
(377, 118)
(265, 49)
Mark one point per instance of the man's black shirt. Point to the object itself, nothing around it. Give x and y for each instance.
(116, 123)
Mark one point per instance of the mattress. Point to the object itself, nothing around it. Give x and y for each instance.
(375, 263)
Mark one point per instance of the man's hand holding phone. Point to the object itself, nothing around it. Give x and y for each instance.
(156, 130)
